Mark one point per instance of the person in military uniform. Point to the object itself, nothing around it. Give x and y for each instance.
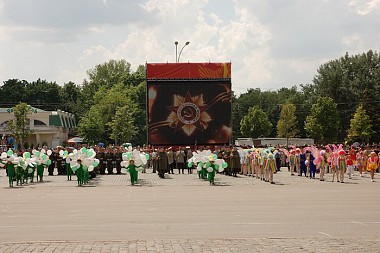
(60, 163)
(154, 160)
(109, 158)
(227, 158)
(235, 162)
(171, 163)
(53, 159)
(180, 158)
(162, 159)
(118, 158)
(102, 161)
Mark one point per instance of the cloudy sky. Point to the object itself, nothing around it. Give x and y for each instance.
(271, 43)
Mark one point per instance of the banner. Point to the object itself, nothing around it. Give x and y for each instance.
(189, 112)
(188, 71)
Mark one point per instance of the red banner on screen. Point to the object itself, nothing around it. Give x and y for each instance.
(188, 70)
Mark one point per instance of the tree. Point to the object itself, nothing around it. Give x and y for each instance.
(20, 125)
(44, 95)
(91, 128)
(122, 125)
(287, 124)
(360, 126)
(13, 91)
(323, 122)
(256, 123)
(349, 81)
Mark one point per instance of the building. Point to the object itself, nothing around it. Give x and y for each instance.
(50, 128)
(272, 142)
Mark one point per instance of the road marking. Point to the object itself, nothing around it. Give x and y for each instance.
(325, 234)
(361, 223)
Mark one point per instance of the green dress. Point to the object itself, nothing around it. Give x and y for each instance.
(11, 173)
(133, 173)
(211, 175)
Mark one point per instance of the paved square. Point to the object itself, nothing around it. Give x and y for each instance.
(185, 214)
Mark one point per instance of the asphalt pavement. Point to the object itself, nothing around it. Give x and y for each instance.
(183, 213)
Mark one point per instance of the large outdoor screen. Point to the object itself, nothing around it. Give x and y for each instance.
(189, 111)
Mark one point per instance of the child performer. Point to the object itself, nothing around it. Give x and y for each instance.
(292, 161)
(334, 166)
(40, 171)
(132, 171)
(80, 172)
(322, 165)
(298, 160)
(69, 171)
(359, 162)
(271, 167)
(211, 172)
(372, 165)
(19, 174)
(255, 164)
(10, 172)
(342, 165)
(350, 166)
(261, 166)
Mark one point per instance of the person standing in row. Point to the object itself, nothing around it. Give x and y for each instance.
(235, 162)
(171, 163)
(180, 158)
(162, 159)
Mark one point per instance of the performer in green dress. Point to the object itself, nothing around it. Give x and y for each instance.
(11, 172)
(132, 171)
(211, 170)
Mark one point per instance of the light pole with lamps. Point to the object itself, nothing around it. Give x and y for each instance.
(180, 52)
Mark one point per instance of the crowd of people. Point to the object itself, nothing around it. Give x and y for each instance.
(261, 162)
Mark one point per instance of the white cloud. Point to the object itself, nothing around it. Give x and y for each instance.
(270, 43)
(364, 7)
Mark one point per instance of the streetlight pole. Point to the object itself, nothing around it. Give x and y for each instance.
(180, 52)
(176, 51)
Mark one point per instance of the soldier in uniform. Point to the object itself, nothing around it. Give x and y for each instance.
(60, 163)
(118, 161)
(109, 158)
(154, 160)
(102, 161)
(180, 158)
(227, 158)
(171, 163)
(235, 162)
(162, 160)
(53, 159)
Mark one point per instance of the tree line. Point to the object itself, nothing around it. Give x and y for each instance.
(341, 103)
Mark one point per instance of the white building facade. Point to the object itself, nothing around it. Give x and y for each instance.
(50, 128)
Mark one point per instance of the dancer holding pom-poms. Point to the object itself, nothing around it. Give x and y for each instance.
(372, 164)
(133, 162)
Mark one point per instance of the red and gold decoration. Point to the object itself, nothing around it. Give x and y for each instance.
(193, 111)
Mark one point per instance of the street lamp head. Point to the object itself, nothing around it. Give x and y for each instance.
(187, 43)
(176, 43)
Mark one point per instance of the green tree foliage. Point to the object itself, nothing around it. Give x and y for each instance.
(256, 123)
(360, 126)
(19, 127)
(323, 122)
(109, 104)
(349, 81)
(91, 128)
(269, 102)
(12, 91)
(287, 124)
(122, 126)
